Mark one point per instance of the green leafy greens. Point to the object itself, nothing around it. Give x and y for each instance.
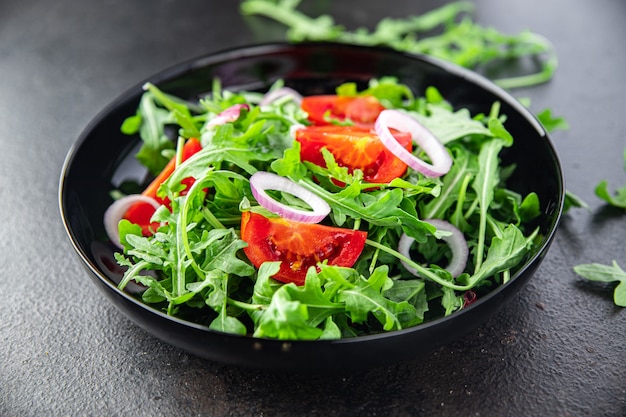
(446, 32)
(193, 266)
(606, 273)
(617, 199)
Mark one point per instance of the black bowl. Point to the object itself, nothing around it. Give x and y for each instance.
(103, 158)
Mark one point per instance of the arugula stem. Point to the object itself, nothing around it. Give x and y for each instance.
(179, 150)
(183, 250)
(548, 67)
(213, 221)
(374, 259)
(486, 179)
(458, 212)
(423, 272)
(131, 272)
(245, 306)
(480, 247)
(471, 209)
(289, 17)
(229, 220)
(178, 278)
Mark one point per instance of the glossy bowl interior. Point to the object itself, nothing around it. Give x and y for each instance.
(103, 159)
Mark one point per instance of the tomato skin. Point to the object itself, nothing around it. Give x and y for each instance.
(355, 148)
(298, 245)
(362, 110)
(141, 213)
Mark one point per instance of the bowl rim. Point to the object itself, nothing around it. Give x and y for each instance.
(222, 55)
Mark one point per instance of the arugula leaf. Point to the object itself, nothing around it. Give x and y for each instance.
(224, 322)
(388, 92)
(450, 301)
(380, 209)
(530, 207)
(319, 305)
(286, 319)
(464, 165)
(505, 252)
(228, 324)
(448, 126)
(366, 297)
(265, 287)
(572, 200)
(330, 330)
(152, 133)
(413, 292)
(606, 273)
(551, 122)
(616, 199)
(484, 184)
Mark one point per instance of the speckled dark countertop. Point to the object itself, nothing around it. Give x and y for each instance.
(557, 350)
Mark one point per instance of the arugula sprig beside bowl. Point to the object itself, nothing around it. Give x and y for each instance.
(447, 32)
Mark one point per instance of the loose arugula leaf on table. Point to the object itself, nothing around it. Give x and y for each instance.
(606, 273)
(616, 199)
(572, 200)
(551, 122)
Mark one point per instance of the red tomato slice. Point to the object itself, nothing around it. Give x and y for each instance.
(354, 147)
(361, 110)
(298, 245)
(142, 212)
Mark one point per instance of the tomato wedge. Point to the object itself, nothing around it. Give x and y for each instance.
(298, 245)
(354, 148)
(141, 213)
(361, 110)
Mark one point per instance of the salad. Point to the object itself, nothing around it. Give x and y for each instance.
(275, 215)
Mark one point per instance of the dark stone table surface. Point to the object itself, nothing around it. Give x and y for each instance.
(559, 349)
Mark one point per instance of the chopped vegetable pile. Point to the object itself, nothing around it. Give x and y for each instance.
(289, 217)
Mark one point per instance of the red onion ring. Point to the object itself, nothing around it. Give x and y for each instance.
(116, 211)
(441, 160)
(280, 93)
(456, 241)
(229, 115)
(261, 181)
